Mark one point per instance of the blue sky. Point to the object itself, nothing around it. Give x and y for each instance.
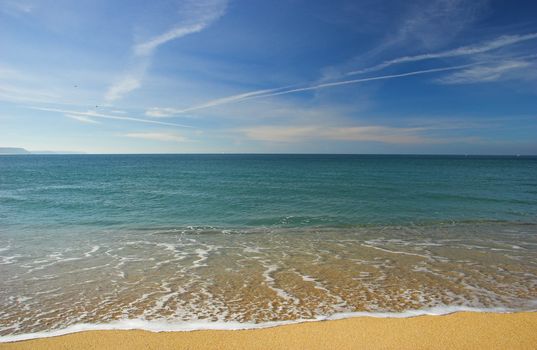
(101, 76)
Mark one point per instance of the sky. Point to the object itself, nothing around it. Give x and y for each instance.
(257, 76)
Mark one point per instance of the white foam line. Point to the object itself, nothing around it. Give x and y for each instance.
(88, 268)
(318, 285)
(395, 251)
(271, 283)
(8, 260)
(5, 248)
(93, 250)
(168, 326)
(202, 255)
(57, 261)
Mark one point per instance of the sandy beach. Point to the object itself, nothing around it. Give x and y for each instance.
(463, 330)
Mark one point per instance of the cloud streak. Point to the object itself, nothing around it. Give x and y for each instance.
(483, 74)
(497, 43)
(147, 48)
(199, 15)
(122, 87)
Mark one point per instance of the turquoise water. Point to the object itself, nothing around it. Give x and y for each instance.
(241, 240)
(263, 190)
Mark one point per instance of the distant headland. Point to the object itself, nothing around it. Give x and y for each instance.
(23, 151)
(13, 150)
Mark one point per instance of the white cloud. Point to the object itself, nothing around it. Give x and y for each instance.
(157, 136)
(489, 73)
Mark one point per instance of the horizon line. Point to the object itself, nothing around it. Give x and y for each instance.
(75, 153)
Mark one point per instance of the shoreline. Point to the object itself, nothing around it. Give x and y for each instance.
(459, 330)
(158, 326)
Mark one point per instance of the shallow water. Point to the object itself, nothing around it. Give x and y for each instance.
(101, 239)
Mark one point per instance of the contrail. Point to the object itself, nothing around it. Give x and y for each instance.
(105, 116)
(279, 91)
(231, 99)
(356, 81)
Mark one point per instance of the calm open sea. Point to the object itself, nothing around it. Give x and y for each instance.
(232, 241)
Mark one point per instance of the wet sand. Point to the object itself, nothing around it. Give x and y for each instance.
(463, 330)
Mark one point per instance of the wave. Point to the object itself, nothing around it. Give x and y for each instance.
(252, 229)
(197, 325)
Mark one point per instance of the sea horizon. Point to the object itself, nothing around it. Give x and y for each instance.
(75, 153)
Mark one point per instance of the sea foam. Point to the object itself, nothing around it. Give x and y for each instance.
(170, 326)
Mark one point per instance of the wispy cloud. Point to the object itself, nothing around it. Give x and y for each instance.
(488, 73)
(122, 87)
(497, 43)
(158, 136)
(419, 24)
(147, 48)
(372, 133)
(198, 15)
(96, 115)
(350, 133)
(432, 23)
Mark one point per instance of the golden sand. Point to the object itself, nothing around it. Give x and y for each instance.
(456, 331)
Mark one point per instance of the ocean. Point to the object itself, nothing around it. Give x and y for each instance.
(181, 242)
